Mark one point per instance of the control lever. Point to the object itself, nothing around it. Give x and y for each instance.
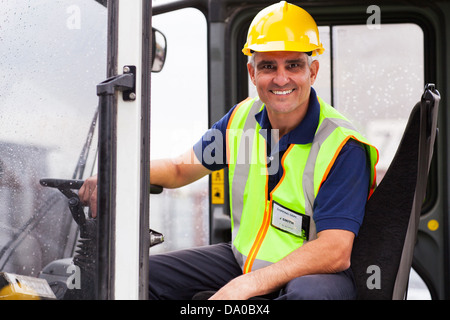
(88, 228)
(155, 238)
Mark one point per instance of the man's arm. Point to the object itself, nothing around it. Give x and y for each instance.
(177, 172)
(329, 253)
(168, 173)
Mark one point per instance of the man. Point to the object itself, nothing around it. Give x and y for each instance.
(299, 177)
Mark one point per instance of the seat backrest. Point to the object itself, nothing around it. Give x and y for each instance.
(383, 250)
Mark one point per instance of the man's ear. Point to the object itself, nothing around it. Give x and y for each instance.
(251, 72)
(314, 70)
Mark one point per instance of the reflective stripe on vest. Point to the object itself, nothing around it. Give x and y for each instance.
(256, 243)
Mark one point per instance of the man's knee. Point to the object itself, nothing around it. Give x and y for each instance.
(180, 274)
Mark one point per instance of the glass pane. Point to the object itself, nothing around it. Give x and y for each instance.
(323, 80)
(179, 119)
(53, 55)
(378, 78)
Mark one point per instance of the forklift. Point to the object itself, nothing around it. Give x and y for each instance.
(90, 87)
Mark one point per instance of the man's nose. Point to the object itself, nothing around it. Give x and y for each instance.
(281, 77)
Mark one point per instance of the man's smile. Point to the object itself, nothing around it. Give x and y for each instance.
(282, 92)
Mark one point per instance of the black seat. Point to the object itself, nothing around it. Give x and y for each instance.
(383, 251)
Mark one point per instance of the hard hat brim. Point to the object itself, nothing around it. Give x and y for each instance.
(283, 46)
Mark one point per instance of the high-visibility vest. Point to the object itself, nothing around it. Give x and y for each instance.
(257, 239)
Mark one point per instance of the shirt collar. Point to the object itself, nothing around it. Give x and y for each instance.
(306, 129)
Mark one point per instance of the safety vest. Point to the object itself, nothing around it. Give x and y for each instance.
(267, 227)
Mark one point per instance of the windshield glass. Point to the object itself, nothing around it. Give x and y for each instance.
(53, 55)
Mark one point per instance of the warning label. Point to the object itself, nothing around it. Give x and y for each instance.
(218, 187)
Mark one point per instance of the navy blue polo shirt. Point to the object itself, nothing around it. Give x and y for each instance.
(341, 200)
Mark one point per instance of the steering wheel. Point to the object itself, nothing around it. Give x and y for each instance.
(88, 225)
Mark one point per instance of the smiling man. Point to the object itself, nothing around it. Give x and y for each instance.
(299, 178)
(292, 227)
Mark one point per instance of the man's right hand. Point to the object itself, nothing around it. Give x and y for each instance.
(88, 194)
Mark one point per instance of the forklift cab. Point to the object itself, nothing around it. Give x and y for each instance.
(376, 63)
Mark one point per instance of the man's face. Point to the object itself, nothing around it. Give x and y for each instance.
(283, 80)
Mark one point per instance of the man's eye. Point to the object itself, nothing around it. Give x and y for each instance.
(268, 66)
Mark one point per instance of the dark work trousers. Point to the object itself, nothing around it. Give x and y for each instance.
(179, 275)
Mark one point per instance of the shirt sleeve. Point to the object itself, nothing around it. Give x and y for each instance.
(341, 200)
(210, 150)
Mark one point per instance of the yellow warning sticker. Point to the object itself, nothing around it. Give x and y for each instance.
(217, 177)
(217, 196)
(218, 187)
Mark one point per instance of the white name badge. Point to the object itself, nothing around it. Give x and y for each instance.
(290, 221)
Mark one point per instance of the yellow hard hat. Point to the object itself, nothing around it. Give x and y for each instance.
(283, 27)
